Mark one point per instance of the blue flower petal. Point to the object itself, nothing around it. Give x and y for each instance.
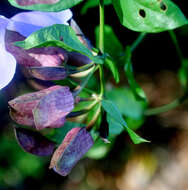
(7, 61)
(28, 22)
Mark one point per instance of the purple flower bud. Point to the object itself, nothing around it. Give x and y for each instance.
(33, 142)
(76, 143)
(45, 108)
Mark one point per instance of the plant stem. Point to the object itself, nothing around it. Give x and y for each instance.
(138, 41)
(101, 44)
(84, 82)
(166, 107)
(101, 26)
(175, 41)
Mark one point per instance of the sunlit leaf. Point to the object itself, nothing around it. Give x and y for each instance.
(58, 35)
(149, 15)
(44, 5)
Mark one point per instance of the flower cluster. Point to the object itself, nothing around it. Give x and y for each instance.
(48, 107)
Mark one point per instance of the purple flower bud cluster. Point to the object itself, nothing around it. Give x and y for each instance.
(48, 107)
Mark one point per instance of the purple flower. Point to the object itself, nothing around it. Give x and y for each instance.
(19, 27)
(42, 109)
(75, 144)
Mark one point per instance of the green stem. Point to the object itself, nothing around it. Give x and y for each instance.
(166, 107)
(101, 75)
(84, 83)
(101, 26)
(101, 43)
(175, 41)
(138, 41)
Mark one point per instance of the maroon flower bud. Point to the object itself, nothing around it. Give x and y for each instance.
(76, 143)
(45, 108)
(33, 142)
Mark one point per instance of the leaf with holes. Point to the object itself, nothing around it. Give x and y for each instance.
(58, 35)
(44, 5)
(149, 15)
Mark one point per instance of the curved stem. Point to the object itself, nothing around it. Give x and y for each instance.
(166, 107)
(175, 41)
(137, 41)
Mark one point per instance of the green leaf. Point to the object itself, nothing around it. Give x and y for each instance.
(183, 73)
(115, 128)
(112, 45)
(112, 66)
(114, 112)
(41, 5)
(149, 15)
(137, 90)
(100, 149)
(58, 35)
(93, 3)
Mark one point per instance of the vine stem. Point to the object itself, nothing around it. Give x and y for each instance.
(175, 41)
(101, 44)
(137, 41)
(166, 107)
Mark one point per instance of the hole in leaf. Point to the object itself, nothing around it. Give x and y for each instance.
(163, 6)
(142, 13)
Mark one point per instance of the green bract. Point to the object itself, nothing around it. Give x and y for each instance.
(40, 5)
(114, 112)
(57, 35)
(149, 15)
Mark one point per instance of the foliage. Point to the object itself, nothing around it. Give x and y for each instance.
(79, 111)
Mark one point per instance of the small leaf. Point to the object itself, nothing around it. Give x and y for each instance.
(114, 112)
(58, 35)
(137, 90)
(44, 5)
(113, 67)
(34, 142)
(149, 15)
(76, 143)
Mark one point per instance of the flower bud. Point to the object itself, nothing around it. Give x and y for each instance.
(76, 143)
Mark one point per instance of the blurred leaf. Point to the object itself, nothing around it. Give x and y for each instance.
(114, 112)
(149, 15)
(93, 3)
(112, 45)
(137, 90)
(100, 149)
(57, 35)
(44, 5)
(112, 66)
(183, 73)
